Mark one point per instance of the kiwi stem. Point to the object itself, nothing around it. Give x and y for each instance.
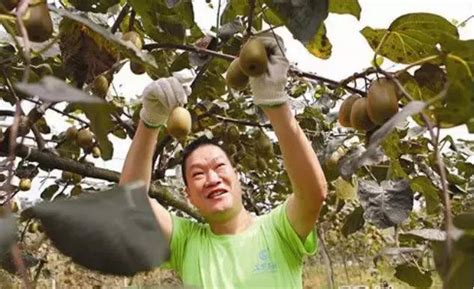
(418, 62)
(20, 11)
(120, 18)
(218, 16)
(250, 17)
(132, 20)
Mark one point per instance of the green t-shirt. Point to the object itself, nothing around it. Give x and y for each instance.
(269, 254)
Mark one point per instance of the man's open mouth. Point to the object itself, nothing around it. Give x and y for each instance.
(216, 193)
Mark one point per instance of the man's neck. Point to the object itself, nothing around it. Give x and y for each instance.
(237, 224)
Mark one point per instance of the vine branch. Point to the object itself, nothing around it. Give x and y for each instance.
(333, 84)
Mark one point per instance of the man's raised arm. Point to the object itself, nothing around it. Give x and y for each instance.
(300, 160)
(159, 98)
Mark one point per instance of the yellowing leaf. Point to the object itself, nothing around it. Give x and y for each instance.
(319, 45)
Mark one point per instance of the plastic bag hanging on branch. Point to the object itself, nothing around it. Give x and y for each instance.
(114, 232)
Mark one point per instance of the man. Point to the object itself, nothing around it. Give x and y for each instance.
(234, 249)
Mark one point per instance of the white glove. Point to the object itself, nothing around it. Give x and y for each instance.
(269, 88)
(161, 96)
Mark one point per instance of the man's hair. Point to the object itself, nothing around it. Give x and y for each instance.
(194, 145)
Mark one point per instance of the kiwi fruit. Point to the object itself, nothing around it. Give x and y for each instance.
(66, 176)
(71, 133)
(359, 117)
(38, 22)
(345, 110)
(179, 123)
(96, 153)
(100, 86)
(25, 184)
(137, 68)
(133, 37)
(84, 138)
(235, 77)
(382, 101)
(253, 58)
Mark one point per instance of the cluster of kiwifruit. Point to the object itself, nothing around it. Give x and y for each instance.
(252, 61)
(365, 113)
(37, 19)
(83, 138)
(179, 122)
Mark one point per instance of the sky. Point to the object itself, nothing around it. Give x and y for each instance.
(350, 52)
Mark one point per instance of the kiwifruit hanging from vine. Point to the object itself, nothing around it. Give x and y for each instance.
(96, 153)
(25, 184)
(71, 133)
(382, 101)
(133, 37)
(38, 22)
(137, 68)
(85, 138)
(179, 123)
(345, 110)
(253, 58)
(100, 86)
(359, 118)
(8, 4)
(235, 77)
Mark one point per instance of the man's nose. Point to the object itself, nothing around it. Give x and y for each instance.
(213, 178)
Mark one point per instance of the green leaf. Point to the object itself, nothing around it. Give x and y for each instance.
(49, 192)
(413, 276)
(101, 124)
(470, 125)
(302, 19)
(181, 62)
(233, 9)
(345, 7)
(387, 204)
(54, 90)
(164, 24)
(272, 19)
(353, 222)
(463, 49)
(319, 45)
(459, 104)
(464, 221)
(460, 271)
(410, 37)
(424, 186)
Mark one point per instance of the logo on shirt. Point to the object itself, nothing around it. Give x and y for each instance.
(264, 263)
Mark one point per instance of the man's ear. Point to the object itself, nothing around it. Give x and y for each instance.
(188, 198)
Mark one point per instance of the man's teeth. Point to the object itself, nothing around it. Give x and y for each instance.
(215, 194)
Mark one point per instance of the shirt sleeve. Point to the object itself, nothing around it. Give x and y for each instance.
(181, 230)
(288, 235)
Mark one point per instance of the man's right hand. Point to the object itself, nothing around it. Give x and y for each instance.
(160, 97)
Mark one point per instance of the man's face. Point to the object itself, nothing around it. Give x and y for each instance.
(213, 186)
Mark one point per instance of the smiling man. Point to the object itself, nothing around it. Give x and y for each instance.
(234, 249)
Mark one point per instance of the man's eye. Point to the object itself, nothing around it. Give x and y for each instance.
(197, 174)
